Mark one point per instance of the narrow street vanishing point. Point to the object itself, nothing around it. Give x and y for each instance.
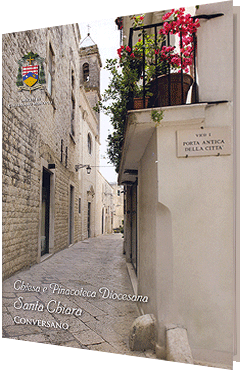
(96, 323)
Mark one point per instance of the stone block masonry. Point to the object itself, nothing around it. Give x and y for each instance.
(37, 133)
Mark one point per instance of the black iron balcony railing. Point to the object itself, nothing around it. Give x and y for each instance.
(169, 100)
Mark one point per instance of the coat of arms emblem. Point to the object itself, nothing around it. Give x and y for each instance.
(31, 75)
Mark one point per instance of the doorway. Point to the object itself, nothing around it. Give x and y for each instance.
(134, 240)
(45, 212)
(103, 221)
(89, 220)
(71, 215)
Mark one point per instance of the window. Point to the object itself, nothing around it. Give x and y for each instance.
(66, 157)
(72, 103)
(85, 72)
(73, 80)
(79, 205)
(61, 150)
(50, 70)
(89, 141)
(118, 193)
(73, 116)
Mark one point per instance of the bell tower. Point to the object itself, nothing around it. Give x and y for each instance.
(90, 65)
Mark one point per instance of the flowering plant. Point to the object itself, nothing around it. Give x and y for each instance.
(131, 64)
(184, 26)
(127, 72)
(130, 58)
(137, 20)
(176, 22)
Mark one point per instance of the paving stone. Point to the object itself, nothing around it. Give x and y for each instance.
(7, 319)
(38, 338)
(76, 326)
(86, 317)
(9, 295)
(88, 337)
(91, 309)
(107, 333)
(4, 310)
(57, 337)
(21, 330)
(105, 347)
(104, 324)
(72, 344)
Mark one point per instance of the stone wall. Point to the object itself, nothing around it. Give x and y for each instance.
(118, 202)
(105, 207)
(37, 132)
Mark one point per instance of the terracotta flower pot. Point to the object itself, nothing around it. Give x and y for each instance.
(138, 103)
(160, 90)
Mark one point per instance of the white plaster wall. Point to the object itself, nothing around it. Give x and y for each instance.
(155, 262)
(215, 53)
(185, 259)
(198, 191)
(147, 227)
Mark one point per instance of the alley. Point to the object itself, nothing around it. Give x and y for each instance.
(90, 322)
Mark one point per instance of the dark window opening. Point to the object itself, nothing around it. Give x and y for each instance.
(66, 157)
(79, 205)
(62, 150)
(89, 144)
(73, 116)
(73, 80)
(85, 72)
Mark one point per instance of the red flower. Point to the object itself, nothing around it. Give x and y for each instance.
(119, 51)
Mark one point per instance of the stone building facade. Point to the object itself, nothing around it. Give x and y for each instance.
(105, 205)
(48, 203)
(118, 205)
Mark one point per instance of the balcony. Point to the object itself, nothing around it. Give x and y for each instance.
(160, 85)
(209, 101)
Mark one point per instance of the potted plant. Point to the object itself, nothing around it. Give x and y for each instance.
(167, 67)
(175, 84)
(138, 100)
(131, 63)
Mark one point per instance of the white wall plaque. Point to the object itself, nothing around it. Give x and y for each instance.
(202, 142)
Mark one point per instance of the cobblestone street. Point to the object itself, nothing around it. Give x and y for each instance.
(103, 324)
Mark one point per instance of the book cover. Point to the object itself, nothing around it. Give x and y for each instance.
(118, 185)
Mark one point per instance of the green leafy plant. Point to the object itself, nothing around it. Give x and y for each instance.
(126, 73)
(115, 104)
(153, 66)
(161, 58)
(157, 116)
